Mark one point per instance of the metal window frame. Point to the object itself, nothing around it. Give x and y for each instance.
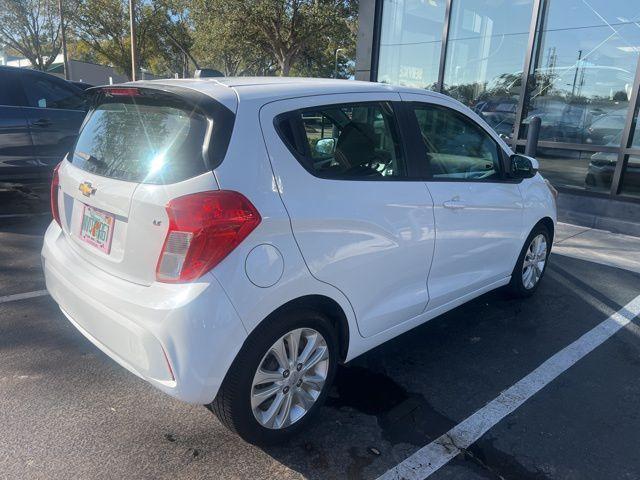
(538, 13)
(627, 137)
(536, 27)
(445, 44)
(375, 47)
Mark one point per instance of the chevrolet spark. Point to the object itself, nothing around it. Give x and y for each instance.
(231, 241)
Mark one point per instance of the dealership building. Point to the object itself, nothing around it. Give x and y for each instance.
(572, 63)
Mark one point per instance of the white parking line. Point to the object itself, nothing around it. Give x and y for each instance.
(441, 451)
(22, 296)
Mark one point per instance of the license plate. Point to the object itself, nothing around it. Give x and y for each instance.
(97, 228)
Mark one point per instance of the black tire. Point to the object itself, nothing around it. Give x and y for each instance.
(232, 405)
(516, 287)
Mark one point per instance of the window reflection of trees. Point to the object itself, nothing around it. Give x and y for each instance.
(136, 142)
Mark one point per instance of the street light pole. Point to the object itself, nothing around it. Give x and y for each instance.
(63, 36)
(134, 50)
(335, 65)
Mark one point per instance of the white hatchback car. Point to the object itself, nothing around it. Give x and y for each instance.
(232, 240)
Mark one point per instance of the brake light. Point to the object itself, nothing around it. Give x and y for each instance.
(203, 229)
(55, 187)
(123, 91)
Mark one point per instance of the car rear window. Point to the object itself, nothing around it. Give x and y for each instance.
(147, 139)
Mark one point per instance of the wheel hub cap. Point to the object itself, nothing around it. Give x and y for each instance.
(290, 378)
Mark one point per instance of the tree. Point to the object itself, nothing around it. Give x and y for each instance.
(163, 35)
(260, 36)
(32, 29)
(317, 58)
(286, 28)
(220, 38)
(104, 26)
(173, 40)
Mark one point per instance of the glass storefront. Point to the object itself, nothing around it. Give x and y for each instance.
(631, 177)
(583, 71)
(582, 63)
(485, 57)
(592, 171)
(410, 42)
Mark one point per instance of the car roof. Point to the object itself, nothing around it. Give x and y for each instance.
(275, 88)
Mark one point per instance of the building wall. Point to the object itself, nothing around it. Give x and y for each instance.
(572, 63)
(94, 74)
(91, 73)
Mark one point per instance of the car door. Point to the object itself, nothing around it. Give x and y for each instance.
(16, 149)
(361, 225)
(55, 114)
(478, 211)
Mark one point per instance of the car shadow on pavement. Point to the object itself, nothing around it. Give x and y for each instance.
(402, 395)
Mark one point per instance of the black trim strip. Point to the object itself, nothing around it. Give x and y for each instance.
(537, 20)
(443, 48)
(375, 44)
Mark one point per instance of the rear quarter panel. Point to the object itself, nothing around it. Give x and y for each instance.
(246, 169)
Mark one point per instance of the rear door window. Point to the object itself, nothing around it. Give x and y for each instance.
(348, 141)
(11, 94)
(144, 140)
(43, 92)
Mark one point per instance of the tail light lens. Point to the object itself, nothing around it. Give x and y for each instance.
(122, 91)
(55, 187)
(203, 229)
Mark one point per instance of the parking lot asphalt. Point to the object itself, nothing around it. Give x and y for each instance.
(68, 411)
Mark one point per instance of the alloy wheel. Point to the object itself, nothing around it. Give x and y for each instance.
(290, 378)
(534, 261)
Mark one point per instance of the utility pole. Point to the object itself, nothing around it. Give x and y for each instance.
(134, 50)
(63, 35)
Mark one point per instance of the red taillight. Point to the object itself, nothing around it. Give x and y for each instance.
(122, 91)
(55, 186)
(203, 229)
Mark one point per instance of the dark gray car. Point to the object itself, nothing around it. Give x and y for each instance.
(40, 116)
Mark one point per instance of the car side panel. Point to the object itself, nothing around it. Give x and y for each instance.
(53, 132)
(16, 148)
(477, 244)
(372, 240)
(246, 169)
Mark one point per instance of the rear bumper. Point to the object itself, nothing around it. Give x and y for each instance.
(181, 338)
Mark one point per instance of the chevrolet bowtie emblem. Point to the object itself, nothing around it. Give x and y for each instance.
(86, 189)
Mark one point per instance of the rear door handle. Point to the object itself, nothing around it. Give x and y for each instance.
(42, 122)
(453, 205)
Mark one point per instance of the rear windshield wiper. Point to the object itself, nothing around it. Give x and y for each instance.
(89, 158)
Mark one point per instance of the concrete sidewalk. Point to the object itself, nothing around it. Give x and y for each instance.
(599, 246)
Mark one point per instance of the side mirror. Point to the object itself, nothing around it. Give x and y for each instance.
(521, 166)
(325, 146)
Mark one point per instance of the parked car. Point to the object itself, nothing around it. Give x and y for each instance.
(82, 85)
(40, 116)
(232, 241)
(499, 113)
(606, 127)
(602, 167)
